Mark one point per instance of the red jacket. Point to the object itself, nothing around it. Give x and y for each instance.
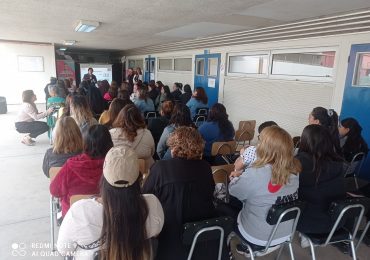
(79, 175)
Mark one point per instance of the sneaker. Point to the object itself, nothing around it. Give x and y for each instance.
(243, 250)
(27, 140)
(304, 241)
(344, 247)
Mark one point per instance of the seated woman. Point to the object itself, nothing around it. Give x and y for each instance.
(351, 140)
(81, 112)
(67, 143)
(120, 223)
(81, 174)
(272, 179)
(176, 93)
(55, 102)
(180, 117)
(184, 185)
(107, 117)
(321, 180)
(198, 100)
(111, 93)
(157, 125)
(218, 128)
(165, 95)
(186, 96)
(328, 118)
(27, 118)
(143, 102)
(129, 129)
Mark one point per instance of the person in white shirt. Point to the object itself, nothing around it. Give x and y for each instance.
(27, 118)
(120, 223)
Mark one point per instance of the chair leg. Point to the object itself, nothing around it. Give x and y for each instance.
(52, 223)
(280, 251)
(291, 251)
(353, 250)
(363, 234)
(250, 251)
(312, 248)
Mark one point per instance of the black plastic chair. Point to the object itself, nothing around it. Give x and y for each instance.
(202, 111)
(207, 230)
(276, 215)
(340, 212)
(150, 114)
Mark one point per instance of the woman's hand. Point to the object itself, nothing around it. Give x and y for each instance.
(235, 174)
(49, 111)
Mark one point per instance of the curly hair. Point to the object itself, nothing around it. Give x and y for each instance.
(130, 120)
(186, 142)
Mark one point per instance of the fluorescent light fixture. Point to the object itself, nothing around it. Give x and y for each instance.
(69, 42)
(86, 26)
(62, 48)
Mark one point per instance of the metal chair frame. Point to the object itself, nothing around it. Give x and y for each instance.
(363, 234)
(204, 230)
(355, 167)
(150, 114)
(222, 145)
(219, 169)
(334, 228)
(54, 202)
(253, 254)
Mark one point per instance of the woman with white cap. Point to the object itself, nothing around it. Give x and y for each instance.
(120, 222)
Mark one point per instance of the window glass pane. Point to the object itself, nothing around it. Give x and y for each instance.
(252, 64)
(139, 63)
(212, 67)
(362, 74)
(311, 64)
(131, 63)
(183, 64)
(152, 64)
(165, 64)
(200, 67)
(146, 65)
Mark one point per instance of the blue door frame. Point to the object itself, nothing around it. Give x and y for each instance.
(356, 100)
(207, 75)
(149, 73)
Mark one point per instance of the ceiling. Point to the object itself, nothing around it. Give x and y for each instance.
(132, 24)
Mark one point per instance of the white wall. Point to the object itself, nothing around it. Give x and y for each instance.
(15, 82)
(168, 78)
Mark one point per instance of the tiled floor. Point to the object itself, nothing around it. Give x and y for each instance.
(24, 195)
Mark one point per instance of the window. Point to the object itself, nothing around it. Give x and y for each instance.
(135, 63)
(200, 67)
(212, 67)
(248, 64)
(309, 64)
(361, 77)
(165, 64)
(183, 64)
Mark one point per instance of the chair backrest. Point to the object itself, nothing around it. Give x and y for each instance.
(296, 141)
(247, 125)
(202, 111)
(355, 165)
(223, 148)
(281, 213)
(53, 171)
(347, 208)
(78, 197)
(150, 114)
(142, 166)
(207, 230)
(221, 174)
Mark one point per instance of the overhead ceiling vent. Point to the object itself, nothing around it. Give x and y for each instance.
(353, 22)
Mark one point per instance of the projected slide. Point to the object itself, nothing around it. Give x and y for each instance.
(101, 71)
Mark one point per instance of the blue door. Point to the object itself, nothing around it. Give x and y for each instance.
(207, 74)
(149, 73)
(356, 98)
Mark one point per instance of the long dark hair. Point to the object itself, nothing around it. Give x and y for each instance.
(354, 141)
(97, 141)
(317, 142)
(124, 215)
(181, 116)
(129, 120)
(218, 114)
(27, 96)
(201, 95)
(329, 119)
(114, 108)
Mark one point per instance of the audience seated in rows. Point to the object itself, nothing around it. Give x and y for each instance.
(272, 179)
(198, 100)
(120, 223)
(165, 95)
(321, 180)
(81, 112)
(129, 129)
(218, 128)
(180, 117)
(143, 102)
(111, 93)
(248, 154)
(81, 174)
(184, 185)
(67, 143)
(351, 139)
(185, 97)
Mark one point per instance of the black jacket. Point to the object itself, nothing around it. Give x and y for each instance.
(319, 194)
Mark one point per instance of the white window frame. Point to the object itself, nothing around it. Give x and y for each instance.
(305, 78)
(354, 74)
(165, 58)
(247, 75)
(183, 71)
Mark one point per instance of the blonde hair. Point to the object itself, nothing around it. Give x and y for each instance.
(80, 110)
(276, 148)
(68, 137)
(186, 142)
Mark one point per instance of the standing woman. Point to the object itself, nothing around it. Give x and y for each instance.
(198, 100)
(67, 143)
(328, 118)
(28, 116)
(352, 141)
(272, 179)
